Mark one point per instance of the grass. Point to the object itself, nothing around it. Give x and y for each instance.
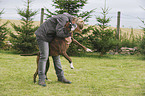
(111, 75)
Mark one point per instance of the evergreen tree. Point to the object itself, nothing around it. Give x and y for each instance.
(102, 37)
(24, 41)
(72, 7)
(142, 44)
(3, 32)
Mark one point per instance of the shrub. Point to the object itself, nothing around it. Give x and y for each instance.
(72, 7)
(142, 43)
(102, 37)
(130, 41)
(24, 41)
(103, 40)
(3, 32)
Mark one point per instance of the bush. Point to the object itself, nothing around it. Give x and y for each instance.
(25, 41)
(130, 41)
(102, 37)
(3, 32)
(142, 43)
(103, 40)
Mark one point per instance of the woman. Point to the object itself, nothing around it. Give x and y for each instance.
(54, 26)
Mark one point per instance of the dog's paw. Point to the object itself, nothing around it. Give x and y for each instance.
(71, 66)
(89, 50)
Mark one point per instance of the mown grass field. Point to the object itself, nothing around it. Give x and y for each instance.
(110, 75)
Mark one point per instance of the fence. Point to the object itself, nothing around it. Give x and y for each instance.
(126, 20)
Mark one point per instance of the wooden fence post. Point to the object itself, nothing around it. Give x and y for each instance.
(118, 25)
(42, 15)
(118, 29)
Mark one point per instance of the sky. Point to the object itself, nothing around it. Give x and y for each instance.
(130, 10)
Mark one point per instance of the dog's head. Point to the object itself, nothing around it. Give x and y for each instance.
(79, 24)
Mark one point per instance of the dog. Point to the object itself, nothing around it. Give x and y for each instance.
(58, 46)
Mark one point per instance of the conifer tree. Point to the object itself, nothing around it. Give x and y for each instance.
(102, 37)
(142, 43)
(24, 41)
(3, 32)
(72, 7)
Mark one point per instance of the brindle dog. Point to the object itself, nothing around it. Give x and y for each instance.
(58, 46)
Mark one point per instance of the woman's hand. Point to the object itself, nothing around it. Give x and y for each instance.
(68, 40)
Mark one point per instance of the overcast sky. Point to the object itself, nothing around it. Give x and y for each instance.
(130, 10)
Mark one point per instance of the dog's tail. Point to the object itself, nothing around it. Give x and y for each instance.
(29, 54)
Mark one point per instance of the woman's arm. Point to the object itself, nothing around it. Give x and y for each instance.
(62, 27)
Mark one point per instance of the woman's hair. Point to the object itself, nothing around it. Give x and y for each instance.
(79, 21)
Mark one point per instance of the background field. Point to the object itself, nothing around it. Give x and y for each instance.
(136, 32)
(111, 75)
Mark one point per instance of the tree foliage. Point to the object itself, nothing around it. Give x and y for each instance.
(24, 40)
(72, 7)
(142, 43)
(3, 31)
(102, 37)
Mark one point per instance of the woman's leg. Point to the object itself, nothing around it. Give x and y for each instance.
(44, 53)
(57, 66)
(58, 69)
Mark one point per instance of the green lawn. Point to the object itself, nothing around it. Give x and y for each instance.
(111, 75)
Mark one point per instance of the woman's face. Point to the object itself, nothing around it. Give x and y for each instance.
(78, 29)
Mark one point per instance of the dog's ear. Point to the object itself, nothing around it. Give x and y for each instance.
(67, 27)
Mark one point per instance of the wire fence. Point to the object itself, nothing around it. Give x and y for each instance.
(127, 21)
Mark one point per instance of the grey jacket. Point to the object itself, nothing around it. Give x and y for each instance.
(54, 26)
